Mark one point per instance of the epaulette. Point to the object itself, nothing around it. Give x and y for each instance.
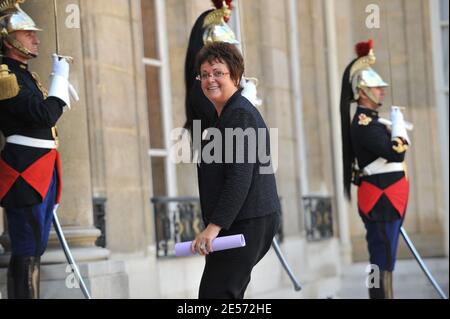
(399, 145)
(364, 120)
(9, 87)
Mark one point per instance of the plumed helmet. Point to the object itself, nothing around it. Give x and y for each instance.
(362, 75)
(13, 18)
(215, 24)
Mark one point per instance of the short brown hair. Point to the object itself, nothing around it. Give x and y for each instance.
(225, 53)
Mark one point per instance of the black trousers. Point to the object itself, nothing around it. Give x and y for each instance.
(227, 273)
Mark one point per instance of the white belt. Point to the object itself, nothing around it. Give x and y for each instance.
(380, 166)
(31, 142)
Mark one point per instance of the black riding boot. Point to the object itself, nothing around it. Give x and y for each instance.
(24, 277)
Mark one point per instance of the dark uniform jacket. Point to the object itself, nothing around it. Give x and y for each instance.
(371, 140)
(236, 191)
(28, 114)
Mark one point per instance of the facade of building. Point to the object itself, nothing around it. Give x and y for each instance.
(116, 142)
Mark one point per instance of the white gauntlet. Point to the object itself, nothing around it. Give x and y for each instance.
(249, 91)
(59, 87)
(398, 125)
(59, 82)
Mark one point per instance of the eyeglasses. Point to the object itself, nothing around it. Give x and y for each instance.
(216, 75)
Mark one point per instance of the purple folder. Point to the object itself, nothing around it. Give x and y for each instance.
(220, 243)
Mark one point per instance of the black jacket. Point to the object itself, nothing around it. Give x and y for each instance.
(236, 191)
(31, 115)
(371, 140)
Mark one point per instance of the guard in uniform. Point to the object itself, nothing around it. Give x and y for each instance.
(374, 153)
(30, 174)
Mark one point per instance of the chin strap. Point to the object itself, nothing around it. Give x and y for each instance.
(371, 96)
(18, 46)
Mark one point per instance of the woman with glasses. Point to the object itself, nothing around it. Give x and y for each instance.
(209, 27)
(238, 192)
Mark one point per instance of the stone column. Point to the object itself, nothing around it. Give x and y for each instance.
(76, 210)
(118, 120)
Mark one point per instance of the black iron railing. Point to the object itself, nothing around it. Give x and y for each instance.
(99, 204)
(177, 219)
(318, 217)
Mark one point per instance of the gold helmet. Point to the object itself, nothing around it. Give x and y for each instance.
(362, 76)
(215, 24)
(12, 19)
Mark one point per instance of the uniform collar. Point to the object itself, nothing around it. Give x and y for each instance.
(14, 64)
(369, 112)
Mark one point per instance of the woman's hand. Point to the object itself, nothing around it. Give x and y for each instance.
(202, 244)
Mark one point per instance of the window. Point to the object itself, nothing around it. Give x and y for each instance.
(158, 96)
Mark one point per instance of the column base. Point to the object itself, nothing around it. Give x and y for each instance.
(104, 280)
(81, 241)
(346, 254)
(75, 237)
(56, 256)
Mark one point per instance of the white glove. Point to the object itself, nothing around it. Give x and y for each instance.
(398, 124)
(60, 67)
(59, 82)
(249, 92)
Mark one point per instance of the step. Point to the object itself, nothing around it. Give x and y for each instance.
(409, 280)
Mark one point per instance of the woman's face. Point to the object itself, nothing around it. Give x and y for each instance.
(217, 85)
